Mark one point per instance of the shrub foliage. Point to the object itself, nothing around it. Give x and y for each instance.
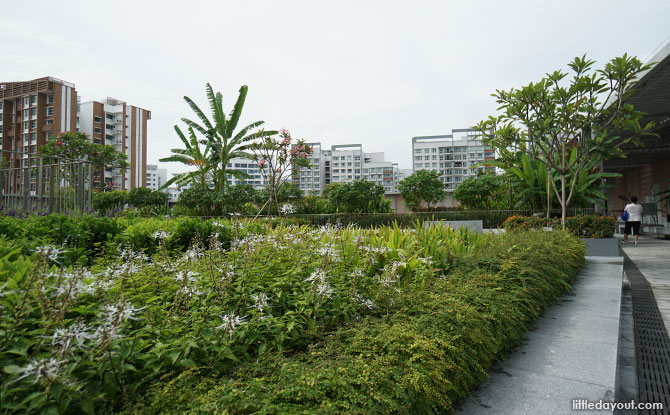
(258, 317)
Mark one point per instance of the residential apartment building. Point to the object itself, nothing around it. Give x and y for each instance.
(346, 163)
(32, 112)
(155, 177)
(115, 123)
(453, 156)
(256, 179)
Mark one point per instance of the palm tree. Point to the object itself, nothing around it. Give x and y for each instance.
(191, 155)
(220, 134)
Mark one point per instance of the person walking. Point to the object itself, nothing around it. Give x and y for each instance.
(634, 220)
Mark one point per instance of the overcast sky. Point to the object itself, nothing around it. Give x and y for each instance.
(336, 72)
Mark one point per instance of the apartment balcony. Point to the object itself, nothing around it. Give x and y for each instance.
(47, 127)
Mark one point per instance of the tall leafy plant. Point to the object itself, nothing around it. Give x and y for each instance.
(192, 156)
(588, 113)
(221, 136)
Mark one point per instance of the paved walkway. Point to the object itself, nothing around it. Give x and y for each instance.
(570, 353)
(652, 257)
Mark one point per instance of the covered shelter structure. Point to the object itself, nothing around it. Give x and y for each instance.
(646, 169)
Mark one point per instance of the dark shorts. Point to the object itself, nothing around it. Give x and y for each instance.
(635, 226)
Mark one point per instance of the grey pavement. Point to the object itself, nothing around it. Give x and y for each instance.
(652, 257)
(569, 353)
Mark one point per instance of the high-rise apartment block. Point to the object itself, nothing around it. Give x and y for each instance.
(33, 112)
(346, 163)
(155, 177)
(250, 167)
(454, 156)
(115, 123)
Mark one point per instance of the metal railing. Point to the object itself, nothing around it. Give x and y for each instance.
(33, 183)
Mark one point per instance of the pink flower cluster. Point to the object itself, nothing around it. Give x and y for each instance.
(261, 163)
(287, 137)
(299, 151)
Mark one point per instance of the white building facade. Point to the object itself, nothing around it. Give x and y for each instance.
(155, 177)
(124, 127)
(344, 164)
(250, 167)
(454, 156)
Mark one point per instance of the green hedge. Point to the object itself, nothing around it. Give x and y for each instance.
(585, 226)
(491, 219)
(423, 358)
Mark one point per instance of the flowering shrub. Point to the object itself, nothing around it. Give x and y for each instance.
(261, 316)
(591, 226)
(421, 356)
(79, 340)
(586, 226)
(526, 222)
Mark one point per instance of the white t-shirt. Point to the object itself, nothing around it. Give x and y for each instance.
(634, 212)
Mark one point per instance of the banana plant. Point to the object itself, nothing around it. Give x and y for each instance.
(224, 142)
(192, 156)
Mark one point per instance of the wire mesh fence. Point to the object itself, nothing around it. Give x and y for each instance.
(36, 184)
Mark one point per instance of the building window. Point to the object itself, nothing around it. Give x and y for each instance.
(50, 99)
(33, 136)
(97, 119)
(26, 101)
(49, 122)
(33, 124)
(33, 113)
(50, 111)
(97, 130)
(33, 99)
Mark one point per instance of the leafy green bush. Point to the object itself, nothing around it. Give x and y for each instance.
(591, 226)
(109, 202)
(420, 358)
(288, 319)
(585, 226)
(198, 201)
(518, 222)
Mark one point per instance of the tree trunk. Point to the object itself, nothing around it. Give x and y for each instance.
(549, 177)
(509, 192)
(563, 201)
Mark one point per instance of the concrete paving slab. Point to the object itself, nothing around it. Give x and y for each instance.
(569, 353)
(518, 391)
(652, 258)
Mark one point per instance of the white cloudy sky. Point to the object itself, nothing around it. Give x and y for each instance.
(338, 72)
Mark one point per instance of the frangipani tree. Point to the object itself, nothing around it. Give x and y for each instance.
(586, 115)
(279, 159)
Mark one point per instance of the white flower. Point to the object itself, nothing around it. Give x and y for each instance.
(162, 235)
(286, 209)
(76, 335)
(187, 276)
(116, 314)
(193, 253)
(317, 276)
(41, 369)
(324, 289)
(130, 255)
(260, 301)
(229, 323)
(49, 251)
(366, 302)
